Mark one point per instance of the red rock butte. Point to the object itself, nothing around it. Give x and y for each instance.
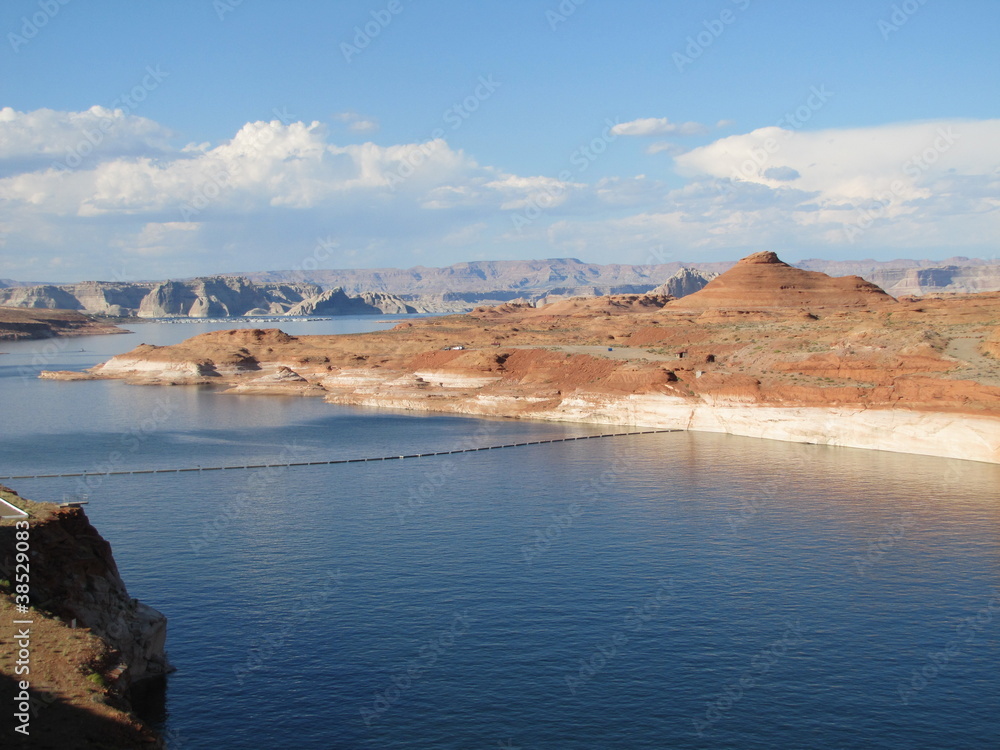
(762, 281)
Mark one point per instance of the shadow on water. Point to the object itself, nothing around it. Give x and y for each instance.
(149, 702)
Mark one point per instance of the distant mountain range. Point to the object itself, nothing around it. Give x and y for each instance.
(454, 288)
(507, 279)
(211, 297)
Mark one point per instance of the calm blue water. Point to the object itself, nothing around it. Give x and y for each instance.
(665, 591)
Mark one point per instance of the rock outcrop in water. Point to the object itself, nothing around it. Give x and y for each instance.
(17, 323)
(765, 349)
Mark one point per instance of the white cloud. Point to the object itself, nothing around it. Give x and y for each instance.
(69, 140)
(906, 189)
(356, 122)
(865, 177)
(648, 126)
(521, 192)
(660, 147)
(851, 164)
(162, 209)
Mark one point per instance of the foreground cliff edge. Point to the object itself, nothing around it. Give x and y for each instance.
(764, 350)
(82, 644)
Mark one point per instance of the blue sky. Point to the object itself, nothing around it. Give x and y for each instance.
(148, 140)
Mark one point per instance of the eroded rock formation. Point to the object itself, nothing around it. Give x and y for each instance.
(765, 349)
(763, 280)
(686, 281)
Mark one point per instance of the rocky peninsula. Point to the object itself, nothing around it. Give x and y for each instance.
(763, 350)
(18, 323)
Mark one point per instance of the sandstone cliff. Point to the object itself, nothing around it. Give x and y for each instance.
(686, 281)
(91, 642)
(765, 349)
(45, 297)
(219, 297)
(211, 297)
(336, 302)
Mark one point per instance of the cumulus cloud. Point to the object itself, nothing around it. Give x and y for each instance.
(140, 198)
(853, 163)
(908, 188)
(68, 140)
(649, 126)
(269, 178)
(864, 178)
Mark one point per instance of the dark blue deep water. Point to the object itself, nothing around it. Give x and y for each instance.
(677, 590)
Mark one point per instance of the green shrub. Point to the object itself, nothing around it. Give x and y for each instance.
(97, 679)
